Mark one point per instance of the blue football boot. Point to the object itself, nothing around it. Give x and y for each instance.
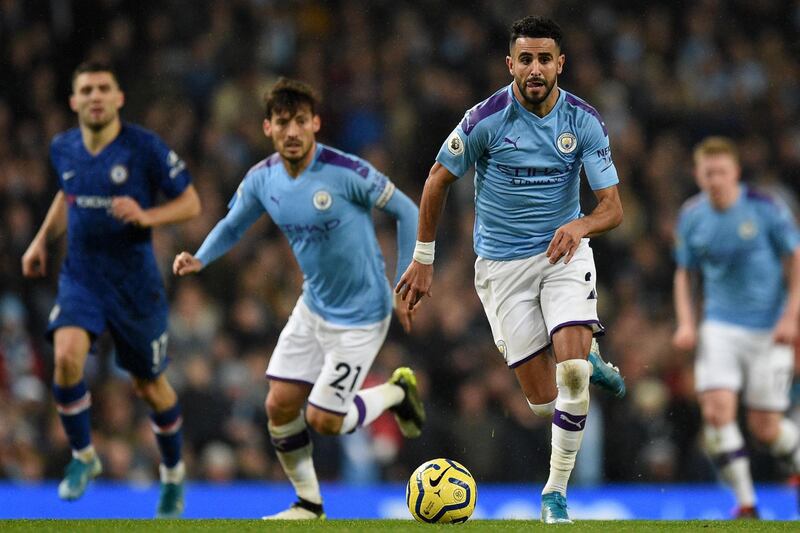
(605, 375)
(554, 509)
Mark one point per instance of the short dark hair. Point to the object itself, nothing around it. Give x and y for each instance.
(537, 27)
(93, 66)
(289, 95)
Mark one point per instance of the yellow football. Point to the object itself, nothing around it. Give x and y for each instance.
(441, 491)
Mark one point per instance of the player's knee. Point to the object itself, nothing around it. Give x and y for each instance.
(572, 376)
(764, 429)
(324, 423)
(280, 411)
(716, 415)
(68, 361)
(144, 389)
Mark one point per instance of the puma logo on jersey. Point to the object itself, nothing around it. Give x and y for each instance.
(512, 143)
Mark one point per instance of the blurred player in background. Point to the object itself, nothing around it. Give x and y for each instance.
(535, 272)
(322, 199)
(109, 173)
(746, 246)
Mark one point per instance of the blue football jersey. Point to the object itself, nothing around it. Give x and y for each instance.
(739, 252)
(527, 169)
(325, 213)
(103, 251)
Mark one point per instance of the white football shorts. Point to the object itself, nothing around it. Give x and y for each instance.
(527, 300)
(734, 357)
(332, 358)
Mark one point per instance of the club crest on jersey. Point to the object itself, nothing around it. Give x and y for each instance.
(119, 174)
(567, 142)
(748, 230)
(454, 144)
(322, 200)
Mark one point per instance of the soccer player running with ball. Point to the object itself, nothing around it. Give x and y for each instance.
(321, 199)
(746, 246)
(535, 272)
(109, 173)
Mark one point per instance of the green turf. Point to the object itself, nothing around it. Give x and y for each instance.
(357, 526)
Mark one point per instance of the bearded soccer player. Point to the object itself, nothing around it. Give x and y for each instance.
(322, 200)
(535, 272)
(109, 173)
(745, 246)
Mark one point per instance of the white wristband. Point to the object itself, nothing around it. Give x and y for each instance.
(423, 252)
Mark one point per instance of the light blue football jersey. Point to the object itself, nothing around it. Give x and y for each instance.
(325, 213)
(527, 169)
(739, 252)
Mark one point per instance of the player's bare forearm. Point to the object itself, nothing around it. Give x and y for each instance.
(434, 196)
(184, 207)
(416, 281)
(607, 215)
(55, 222)
(685, 336)
(34, 260)
(792, 268)
(786, 330)
(682, 296)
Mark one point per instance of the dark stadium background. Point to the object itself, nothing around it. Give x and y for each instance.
(395, 77)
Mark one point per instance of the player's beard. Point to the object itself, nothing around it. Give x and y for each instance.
(99, 124)
(295, 159)
(521, 85)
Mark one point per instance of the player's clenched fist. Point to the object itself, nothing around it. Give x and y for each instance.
(186, 263)
(685, 338)
(34, 261)
(129, 211)
(415, 283)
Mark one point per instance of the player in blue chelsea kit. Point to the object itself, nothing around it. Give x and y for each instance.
(109, 173)
(740, 241)
(535, 272)
(322, 199)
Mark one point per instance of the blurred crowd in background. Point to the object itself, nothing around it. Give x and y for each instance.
(395, 77)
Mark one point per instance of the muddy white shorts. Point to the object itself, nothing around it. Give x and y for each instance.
(332, 358)
(527, 300)
(738, 358)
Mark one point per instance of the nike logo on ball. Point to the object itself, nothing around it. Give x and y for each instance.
(435, 481)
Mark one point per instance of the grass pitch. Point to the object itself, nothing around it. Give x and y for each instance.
(358, 526)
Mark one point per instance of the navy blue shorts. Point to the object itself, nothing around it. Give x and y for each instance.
(140, 338)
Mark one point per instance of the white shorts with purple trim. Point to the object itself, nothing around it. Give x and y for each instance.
(735, 357)
(527, 300)
(332, 358)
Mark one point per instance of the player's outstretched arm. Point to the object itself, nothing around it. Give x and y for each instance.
(34, 260)
(685, 336)
(786, 330)
(183, 207)
(606, 216)
(417, 279)
(405, 212)
(244, 211)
